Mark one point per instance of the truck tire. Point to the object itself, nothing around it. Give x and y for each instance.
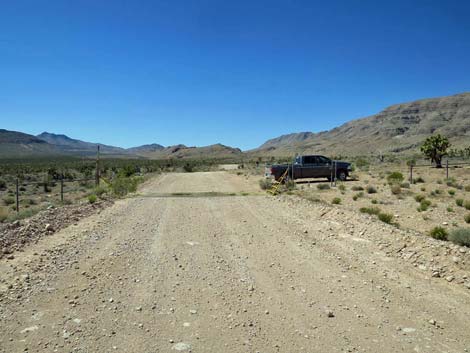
(342, 175)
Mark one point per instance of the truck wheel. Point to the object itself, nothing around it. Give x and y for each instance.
(342, 175)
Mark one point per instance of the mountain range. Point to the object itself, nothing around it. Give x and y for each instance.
(400, 128)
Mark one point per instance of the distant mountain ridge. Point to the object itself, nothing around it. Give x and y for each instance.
(14, 144)
(67, 144)
(398, 128)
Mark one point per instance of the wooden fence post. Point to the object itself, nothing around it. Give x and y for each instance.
(447, 168)
(97, 172)
(17, 195)
(62, 188)
(411, 173)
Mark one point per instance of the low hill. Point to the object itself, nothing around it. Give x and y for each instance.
(140, 150)
(72, 146)
(182, 151)
(398, 128)
(14, 144)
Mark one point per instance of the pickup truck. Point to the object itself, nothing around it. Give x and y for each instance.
(311, 167)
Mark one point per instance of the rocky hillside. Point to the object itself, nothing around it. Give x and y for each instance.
(398, 128)
(17, 144)
(182, 151)
(72, 146)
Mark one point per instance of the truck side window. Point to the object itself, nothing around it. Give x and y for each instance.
(309, 160)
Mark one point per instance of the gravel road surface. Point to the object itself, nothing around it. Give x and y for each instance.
(188, 266)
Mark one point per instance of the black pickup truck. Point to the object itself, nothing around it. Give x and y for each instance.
(311, 167)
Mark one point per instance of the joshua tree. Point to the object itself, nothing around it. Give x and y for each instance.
(435, 147)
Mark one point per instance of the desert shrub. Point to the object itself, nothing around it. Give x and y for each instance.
(451, 192)
(290, 185)
(405, 185)
(362, 163)
(188, 168)
(424, 205)
(100, 191)
(358, 195)
(323, 187)
(467, 218)
(371, 190)
(92, 198)
(395, 189)
(453, 183)
(419, 197)
(265, 184)
(460, 236)
(374, 201)
(466, 204)
(395, 178)
(423, 189)
(419, 180)
(3, 214)
(450, 209)
(385, 217)
(341, 187)
(439, 233)
(439, 181)
(357, 188)
(8, 200)
(121, 186)
(467, 188)
(459, 202)
(370, 210)
(336, 201)
(22, 188)
(3, 184)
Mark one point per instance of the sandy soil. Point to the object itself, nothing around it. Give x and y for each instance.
(206, 273)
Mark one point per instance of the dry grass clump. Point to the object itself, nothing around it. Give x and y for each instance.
(460, 236)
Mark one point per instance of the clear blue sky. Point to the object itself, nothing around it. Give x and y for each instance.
(236, 72)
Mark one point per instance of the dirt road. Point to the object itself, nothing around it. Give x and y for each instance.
(219, 273)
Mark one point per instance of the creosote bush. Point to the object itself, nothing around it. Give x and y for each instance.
(467, 218)
(121, 186)
(439, 233)
(459, 202)
(92, 198)
(371, 190)
(336, 201)
(424, 205)
(357, 188)
(467, 188)
(460, 236)
(358, 195)
(8, 201)
(419, 198)
(395, 178)
(451, 192)
(265, 184)
(323, 187)
(385, 217)
(419, 180)
(466, 204)
(370, 210)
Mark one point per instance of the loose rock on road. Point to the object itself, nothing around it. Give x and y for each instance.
(219, 273)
